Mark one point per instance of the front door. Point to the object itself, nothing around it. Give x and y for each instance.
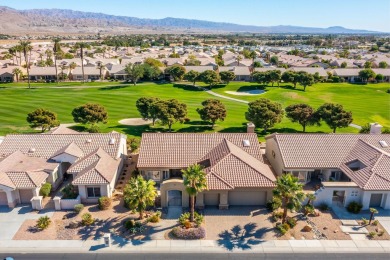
(375, 200)
(174, 198)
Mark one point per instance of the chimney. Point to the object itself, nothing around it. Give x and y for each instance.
(375, 129)
(250, 127)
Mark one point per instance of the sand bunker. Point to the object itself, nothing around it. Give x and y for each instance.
(135, 121)
(246, 93)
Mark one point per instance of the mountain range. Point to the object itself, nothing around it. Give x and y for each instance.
(60, 21)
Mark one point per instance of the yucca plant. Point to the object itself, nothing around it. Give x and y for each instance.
(43, 222)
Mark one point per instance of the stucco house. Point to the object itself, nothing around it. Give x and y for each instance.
(27, 161)
(236, 173)
(242, 73)
(341, 167)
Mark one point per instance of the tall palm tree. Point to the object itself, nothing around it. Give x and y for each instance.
(56, 49)
(82, 46)
(290, 192)
(139, 193)
(101, 67)
(62, 68)
(17, 72)
(25, 47)
(12, 51)
(238, 59)
(194, 179)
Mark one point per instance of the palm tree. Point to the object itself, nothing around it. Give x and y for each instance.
(238, 59)
(139, 193)
(17, 72)
(25, 47)
(289, 191)
(373, 211)
(63, 67)
(194, 179)
(12, 51)
(82, 46)
(101, 67)
(56, 49)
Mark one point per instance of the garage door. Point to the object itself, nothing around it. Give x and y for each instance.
(25, 196)
(3, 199)
(247, 198)
(211, 199)
(376, 200)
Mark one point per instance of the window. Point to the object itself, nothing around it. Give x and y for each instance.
(154, 175)
(93, 192)
(166, 175)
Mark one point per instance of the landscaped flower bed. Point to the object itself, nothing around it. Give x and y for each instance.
(189, 233)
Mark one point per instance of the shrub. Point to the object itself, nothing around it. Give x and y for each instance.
(324, 207)
(277, 216)
(69, 192)
(308, 209)
(283, 228)
(94, 129)
(364, 221)
(43, 222)
(375, 223)
(198, 218)
(155, 218)
(104, 203)
(372, 234)
(354, 207)
(192, 233)
(134, 226)
(133, 143)
(388, 91)
(87, 219)
(292, 222)
(381, 233)
(273, 204)
(45, 190)
(129, 224)
(78, 208)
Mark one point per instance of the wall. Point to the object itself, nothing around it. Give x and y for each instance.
(325, 195)
(276, 162)
(173, 184)
(69, 204)
(83, 192)
(367, 196)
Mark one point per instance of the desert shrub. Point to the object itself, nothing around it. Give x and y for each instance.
(87, 219)
(185, 217)
(155, 218)
(134, 226)
(274, 204)
(308, 209)
(381, 233)
(192, 233)
(292, 222)
(354, 207)
(283, 228)
(43, 222)
(45, 189)
(130, 224)
(277, 216)
(94, 129)
(78, 208)
(69, 192)
(324, 207)
(372, 234)
(364, 221)
(375, 223)
(104, 203)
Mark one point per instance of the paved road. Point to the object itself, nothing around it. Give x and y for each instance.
(185, 256)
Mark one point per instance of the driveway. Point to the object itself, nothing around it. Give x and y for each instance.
(12, 219)
(246, 224)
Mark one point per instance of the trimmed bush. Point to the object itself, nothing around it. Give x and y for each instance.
(43, 222)
(87, 219)
(375, 223)
(283, 228)
(372, 234)
(94, 129)
(354, 207)
(155, 218)
(185, 217)
(78, 208)
(45, 190)
(191, 233)
(292, 222)
(104, 203)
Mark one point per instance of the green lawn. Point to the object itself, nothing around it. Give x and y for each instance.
(368, 103)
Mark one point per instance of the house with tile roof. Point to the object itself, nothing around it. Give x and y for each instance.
(93, 162)
(339, 168)
(235, 171)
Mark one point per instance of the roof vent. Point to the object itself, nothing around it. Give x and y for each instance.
(112, 141)
(246, 143)
(89, 141)
(32, 150)
(383, 144)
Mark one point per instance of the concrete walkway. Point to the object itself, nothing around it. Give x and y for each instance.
(196, 246)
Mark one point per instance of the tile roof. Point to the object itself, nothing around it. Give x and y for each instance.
(301, 151)
(71, 149)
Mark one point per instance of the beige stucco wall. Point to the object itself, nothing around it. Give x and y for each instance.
(173, 184)
(276, 162)
(104, 191)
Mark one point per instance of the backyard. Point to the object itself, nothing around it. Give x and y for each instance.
(368, 103)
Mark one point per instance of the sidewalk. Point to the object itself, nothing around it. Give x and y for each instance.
(194, 246)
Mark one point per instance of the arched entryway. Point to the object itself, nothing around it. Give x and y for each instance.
(174, 198)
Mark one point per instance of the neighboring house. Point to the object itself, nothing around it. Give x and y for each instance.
(242, 73)
(236, 173)
(118, 72)
(235, 63)
(43, 73)
(28, 161)
(352, 75)
(311, 70)
(346, 167)
(90, 73)
(199, 69)
(6, 74)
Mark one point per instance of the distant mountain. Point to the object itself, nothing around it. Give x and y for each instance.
(14, 21)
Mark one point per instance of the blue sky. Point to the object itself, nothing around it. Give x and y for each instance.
(355, 14)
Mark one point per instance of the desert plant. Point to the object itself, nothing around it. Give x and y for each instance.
(372, 234)
(375, 223)
(277, 216)
(192, 233)
(283, 228)
(155, 218)
(381, 233)
(292, 222)
(324, 207)
(69, 192)
(45, 189)
(364, 221)
(104, 203)
(354, 207)
(43, 222)
(372, 211)
(134, 226)
(129, 224)
(274, 204)
(87, 219)
(308, 209)
(198, 218)
(78, 208)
